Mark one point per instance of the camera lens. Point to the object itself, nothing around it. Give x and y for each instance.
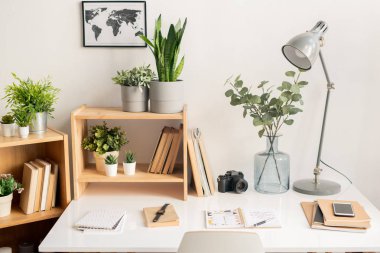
(241, 186)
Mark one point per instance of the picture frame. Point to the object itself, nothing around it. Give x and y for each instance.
(113, 23)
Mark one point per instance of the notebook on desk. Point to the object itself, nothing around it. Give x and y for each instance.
(101, 220)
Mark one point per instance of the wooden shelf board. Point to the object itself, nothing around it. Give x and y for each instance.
(117, 113)
(48, 136)
(17, 216)
(90, 175)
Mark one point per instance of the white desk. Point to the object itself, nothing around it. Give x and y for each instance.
(294, 236)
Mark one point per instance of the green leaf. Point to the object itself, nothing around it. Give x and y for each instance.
(296, 97)
(301, 102)
(295, 89)
(229, 93)
(243, 91)
(257, 121)
(255, 99)
(273, 101)
(244, 113)
(289, 121)
(290, 73)
(286, 85)
(238, 84)
(261, 132)
(262, 84)
(294, 110)
(179, 68)
(146, 40)
(302, 83)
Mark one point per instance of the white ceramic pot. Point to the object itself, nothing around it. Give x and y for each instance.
(5, 205)
(99, 159)
(23, 132)
(111, 170)
(129, 168)
(8, 129)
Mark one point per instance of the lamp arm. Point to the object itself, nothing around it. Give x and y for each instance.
(330, 86)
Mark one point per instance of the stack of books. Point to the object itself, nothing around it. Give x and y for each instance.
(39, 180)
(320, 215)
(202, 175)
(165, 154)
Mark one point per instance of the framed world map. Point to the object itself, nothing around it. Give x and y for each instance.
(114, 23)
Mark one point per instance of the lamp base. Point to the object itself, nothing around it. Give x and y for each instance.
(325, 187)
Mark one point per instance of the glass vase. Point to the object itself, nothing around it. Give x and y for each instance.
(272, 168)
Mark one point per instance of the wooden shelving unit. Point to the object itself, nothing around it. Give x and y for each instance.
(14, 152)
(85, 173)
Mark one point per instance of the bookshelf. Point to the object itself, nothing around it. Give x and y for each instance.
(85, 173)
(14, 152)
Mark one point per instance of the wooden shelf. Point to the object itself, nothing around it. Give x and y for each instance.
(83, 173)
(117, 113)
(91, 175)
(48, 136)
(17, 217)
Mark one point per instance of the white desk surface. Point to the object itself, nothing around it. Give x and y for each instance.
(294, 236)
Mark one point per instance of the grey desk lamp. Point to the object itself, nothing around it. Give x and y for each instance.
(302, 51)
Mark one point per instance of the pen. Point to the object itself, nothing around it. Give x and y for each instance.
(261, 222)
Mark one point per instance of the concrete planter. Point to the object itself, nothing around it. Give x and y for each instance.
(99, 160)
(39, 123)
(8, 129)
(6, 205)
(134, 99)
(166, 97)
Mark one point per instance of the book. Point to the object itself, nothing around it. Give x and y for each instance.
(195, 134)
(171, 152)
(54, 169)
(361, 219)
(176, 149)
(29, 183)
(194, 166)
(155, 151)
(160, 147)
(165, 150)
(168, 219)
(45, 182)
(49, 198)
(210, 178)
(314, 217)
(242, 218)
(40, 180)
(101, 219)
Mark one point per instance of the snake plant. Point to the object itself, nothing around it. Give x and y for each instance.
(166, 50)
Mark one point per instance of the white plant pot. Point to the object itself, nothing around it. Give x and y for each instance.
(23, 132)
(8, 129)
(99, 159)
(129, 168)
(6, 205)
(111, 170)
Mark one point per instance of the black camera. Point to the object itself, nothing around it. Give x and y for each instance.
(232, 181)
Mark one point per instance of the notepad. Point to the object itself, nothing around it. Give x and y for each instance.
(101, 219)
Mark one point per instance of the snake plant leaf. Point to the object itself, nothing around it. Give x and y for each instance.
(169, 54)
(178, 26)
(179, 68)
(146, 40)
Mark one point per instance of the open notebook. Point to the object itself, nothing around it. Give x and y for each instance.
(106, 220)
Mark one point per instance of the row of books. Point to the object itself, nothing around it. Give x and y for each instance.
(165, 154)
(39, 180)
(202, 175)
(320, 215)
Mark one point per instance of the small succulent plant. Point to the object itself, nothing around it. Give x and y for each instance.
(130, 157)
(7, 119)
(110, 160)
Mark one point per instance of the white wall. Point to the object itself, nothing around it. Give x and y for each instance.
(44, 37)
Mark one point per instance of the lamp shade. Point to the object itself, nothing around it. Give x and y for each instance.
(303, 49)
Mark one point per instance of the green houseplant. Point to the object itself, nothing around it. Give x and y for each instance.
(270, 111)
(36, 97)
(8, 125)
(23, 119)
(129, 163)
(166, 94)
(7, 186)
(111, 165)
(103, 141)
(134, 86)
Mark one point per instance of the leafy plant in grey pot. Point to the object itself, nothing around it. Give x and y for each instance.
(134, 86)
(269, 112)
(35, 97)
(167, 94)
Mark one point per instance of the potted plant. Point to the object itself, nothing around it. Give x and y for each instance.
(7, 185)
(23, 119)
(134, 86)
(111, 165)
(103, 141)
(129, 163)
(269, 112)
(166, 94)
(8, 125)
(36, 97)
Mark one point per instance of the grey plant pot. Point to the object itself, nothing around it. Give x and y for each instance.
(39, 123)
(134, 99)
(166, 97)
